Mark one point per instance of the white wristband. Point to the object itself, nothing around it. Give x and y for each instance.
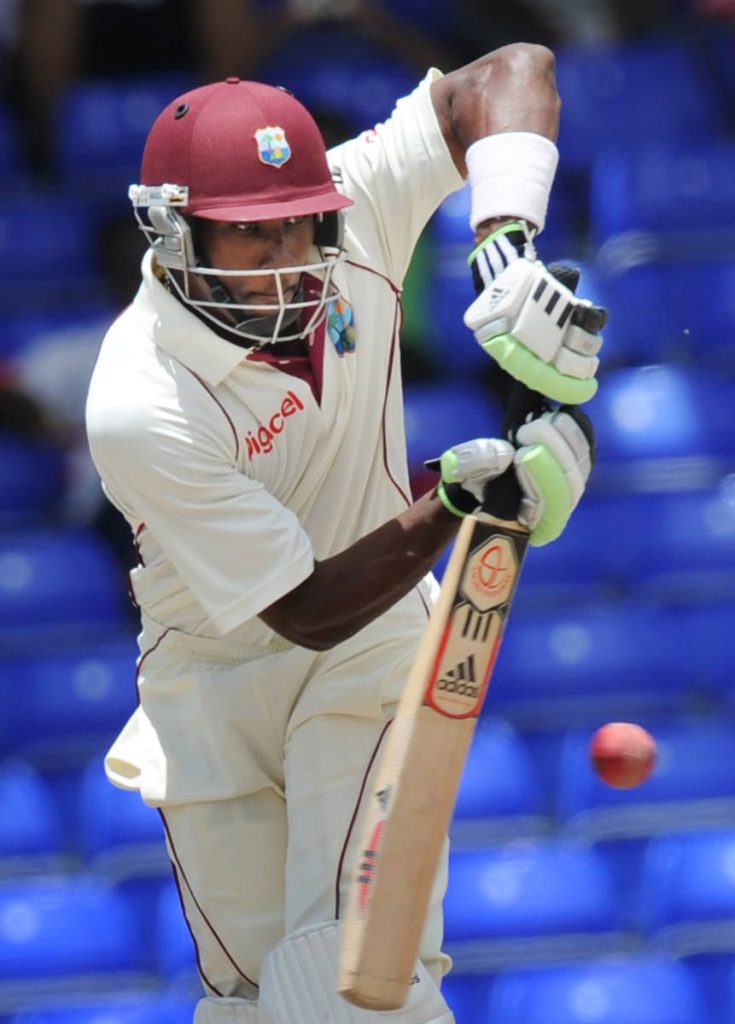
(511, 174)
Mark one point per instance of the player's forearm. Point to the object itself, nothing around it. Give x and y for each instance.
(348, 591)
(512, 89)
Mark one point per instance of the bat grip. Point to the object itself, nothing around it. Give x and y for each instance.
(522, 402)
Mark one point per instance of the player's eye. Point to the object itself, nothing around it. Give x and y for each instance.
(293, 221)
(249, 227)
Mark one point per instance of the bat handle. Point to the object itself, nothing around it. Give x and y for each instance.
(522, 402)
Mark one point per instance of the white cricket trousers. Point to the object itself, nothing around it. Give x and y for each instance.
(253, 869)
(259, 866)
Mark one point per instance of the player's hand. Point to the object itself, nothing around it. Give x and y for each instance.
(531, 323)
(467, 468)
(553, 457)
(537, 481)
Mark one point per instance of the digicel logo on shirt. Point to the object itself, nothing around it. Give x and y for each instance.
(261, 442)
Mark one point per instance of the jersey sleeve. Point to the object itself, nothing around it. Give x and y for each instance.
(232, 543)
(397, 174)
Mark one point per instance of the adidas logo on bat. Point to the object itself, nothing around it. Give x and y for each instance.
(461, 679)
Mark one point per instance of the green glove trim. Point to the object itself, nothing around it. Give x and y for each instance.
(449, 466)
(513, 225)
(447, 501)
(526, 367)
(548, 476)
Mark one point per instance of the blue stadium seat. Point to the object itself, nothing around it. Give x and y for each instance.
(641, 989)
(62, 933)
(616, 95)
(450, 226)
(690, 788)
(337, 72)
(688, 555)
(441, 414)
(500, 797)
(119, 835)
(687, 906)
(47, 251)
(729, 1000)
(467, 996)
(30, 824)
(664, 190)
(687, 895)
(634, 419)
(663, 425)
(100, 130)
(526, 902)
(671, 544)
(559, 667)
(175, 955)
(126, 1008)
(70, 704)
(32, 479)
(658, 545)
(580, 566)
(691, 785)
(451, 346)
(9, 671)
(677, 309)
(54, 581)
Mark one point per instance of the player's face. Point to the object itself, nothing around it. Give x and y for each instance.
(255, 245)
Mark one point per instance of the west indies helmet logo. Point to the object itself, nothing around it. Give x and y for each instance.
(273, 147)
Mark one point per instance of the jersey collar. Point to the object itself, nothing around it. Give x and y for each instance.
(179, 333)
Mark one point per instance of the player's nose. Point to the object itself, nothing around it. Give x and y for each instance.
(280, 249)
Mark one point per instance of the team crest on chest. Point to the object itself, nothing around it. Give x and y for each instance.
(340, 326)
(273, 147)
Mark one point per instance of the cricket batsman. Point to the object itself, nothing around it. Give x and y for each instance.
(245, 416)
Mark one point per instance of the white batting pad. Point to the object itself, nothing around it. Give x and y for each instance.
(218, 1010)
(299, 978)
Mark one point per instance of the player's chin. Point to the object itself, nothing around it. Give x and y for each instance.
(263, 304)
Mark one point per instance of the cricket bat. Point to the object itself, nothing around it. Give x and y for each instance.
(413, 799)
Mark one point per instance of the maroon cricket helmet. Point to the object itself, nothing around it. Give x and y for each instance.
(246, 151)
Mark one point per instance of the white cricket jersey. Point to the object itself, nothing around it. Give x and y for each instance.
(233, 476)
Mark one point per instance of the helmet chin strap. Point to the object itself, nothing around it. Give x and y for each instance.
(261, 326)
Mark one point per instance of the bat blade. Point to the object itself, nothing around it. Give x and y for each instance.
(413, 798)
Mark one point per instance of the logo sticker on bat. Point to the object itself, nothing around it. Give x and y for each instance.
(471, 638)
(370, 854)
(490, 574)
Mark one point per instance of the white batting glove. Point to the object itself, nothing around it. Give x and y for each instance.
(467, 468)
(531, 323)
(552, 465)
(537, 482)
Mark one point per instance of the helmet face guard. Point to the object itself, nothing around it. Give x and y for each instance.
(240, 152)
(205, 289)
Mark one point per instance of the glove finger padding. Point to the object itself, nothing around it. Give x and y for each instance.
(552, 465)
(537, 375)
(466, 470)
(528, 319)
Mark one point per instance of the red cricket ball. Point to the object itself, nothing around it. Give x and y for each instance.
(623, 754)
